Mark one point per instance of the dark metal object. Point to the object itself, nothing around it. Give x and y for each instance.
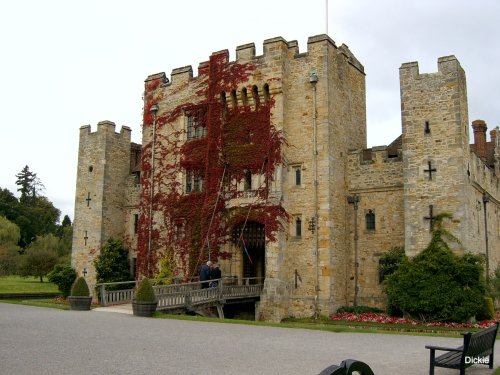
(430, 170)
(348, 367)
(431, 218)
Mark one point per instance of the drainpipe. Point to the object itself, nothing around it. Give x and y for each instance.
(153, 110)
(486, 199)
(313, 79)
(354, 200)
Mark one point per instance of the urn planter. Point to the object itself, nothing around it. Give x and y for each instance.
(79, 303)
(144, 308)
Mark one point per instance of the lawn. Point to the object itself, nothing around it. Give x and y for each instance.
(17, 284)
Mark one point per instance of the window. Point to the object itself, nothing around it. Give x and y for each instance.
(427, 128)
(194, 182)
(298, 176)
(298, 227)
(180, 230)
(248, 181)
(136, 223)
(370, 220)
(196, 127)
(244, 96)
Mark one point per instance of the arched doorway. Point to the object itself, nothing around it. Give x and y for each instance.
(253, 246)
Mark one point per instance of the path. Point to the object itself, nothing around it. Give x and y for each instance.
(47, 341)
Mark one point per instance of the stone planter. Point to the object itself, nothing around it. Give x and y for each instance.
(144, 308)
(79, 303)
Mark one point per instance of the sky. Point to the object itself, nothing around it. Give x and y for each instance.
(65, 64)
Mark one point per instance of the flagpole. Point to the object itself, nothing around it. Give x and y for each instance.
(326, 16)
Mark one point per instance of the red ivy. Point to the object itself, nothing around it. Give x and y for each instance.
(237, 139)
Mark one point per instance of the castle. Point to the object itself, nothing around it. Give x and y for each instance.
(261, 163)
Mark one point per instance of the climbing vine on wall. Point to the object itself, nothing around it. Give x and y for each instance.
(235, 141)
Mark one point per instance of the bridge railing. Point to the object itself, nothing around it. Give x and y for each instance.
(172, 294)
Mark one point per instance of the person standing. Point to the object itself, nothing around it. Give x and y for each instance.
(215, 275)
(205, 274)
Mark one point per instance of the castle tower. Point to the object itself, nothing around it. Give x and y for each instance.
(435, 149)
(103, 166)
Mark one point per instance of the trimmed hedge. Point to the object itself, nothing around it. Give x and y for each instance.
(145, 291)
(80, 288)
(63, 276)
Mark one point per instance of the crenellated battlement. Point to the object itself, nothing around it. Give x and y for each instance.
(446, 65)
(274, 49)
(105, 128)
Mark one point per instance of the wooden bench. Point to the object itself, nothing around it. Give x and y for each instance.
(478, 348)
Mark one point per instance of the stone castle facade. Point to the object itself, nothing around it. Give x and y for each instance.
(346, 204)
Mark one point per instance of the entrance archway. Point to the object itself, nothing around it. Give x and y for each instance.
(253, 246)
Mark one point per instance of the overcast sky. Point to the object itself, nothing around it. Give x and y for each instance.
(65, 64)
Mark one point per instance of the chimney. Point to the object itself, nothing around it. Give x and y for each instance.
(479, 127)
(493, 137)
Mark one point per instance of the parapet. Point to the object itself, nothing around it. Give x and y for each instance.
(106, 127)
(446, 65)
(273, 48)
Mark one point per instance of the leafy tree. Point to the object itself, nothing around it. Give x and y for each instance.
(63, 275)
(37, 262)
(436, 284)
(9, 205)
(9, 236)
(112, 264)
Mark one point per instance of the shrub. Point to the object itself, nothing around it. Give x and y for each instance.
(390, 261)
(436, 284)
(112, 264)
(145, 291)
(488, 310)
(63, 276)
(80, 288)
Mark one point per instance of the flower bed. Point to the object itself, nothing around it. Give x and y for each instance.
(386, 319)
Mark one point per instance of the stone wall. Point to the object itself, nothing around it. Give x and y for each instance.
(103, 166)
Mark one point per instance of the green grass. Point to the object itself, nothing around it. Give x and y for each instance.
(17, 284)
(322, 324)
(46, 302)
(497, 371)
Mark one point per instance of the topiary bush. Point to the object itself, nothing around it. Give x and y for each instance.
(63, 276)
(145, 292)
(80, 288)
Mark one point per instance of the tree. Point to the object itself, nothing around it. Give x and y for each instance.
(112, 264)
(38, 216)
(63, 276)
(436, 284)
(9, 236)
(9, 205)
(41, 256)
(29, 184)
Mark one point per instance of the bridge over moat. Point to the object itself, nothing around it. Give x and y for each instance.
(175, 296)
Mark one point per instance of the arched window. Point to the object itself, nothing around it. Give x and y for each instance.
(255, 95)
(244, 96)
(234, 99)
(223, 99)
(266, 92)
(370, 220)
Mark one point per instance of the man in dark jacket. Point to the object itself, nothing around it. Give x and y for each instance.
(215, 274)
(205, 274)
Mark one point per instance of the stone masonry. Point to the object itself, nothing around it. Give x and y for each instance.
(352, 203)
